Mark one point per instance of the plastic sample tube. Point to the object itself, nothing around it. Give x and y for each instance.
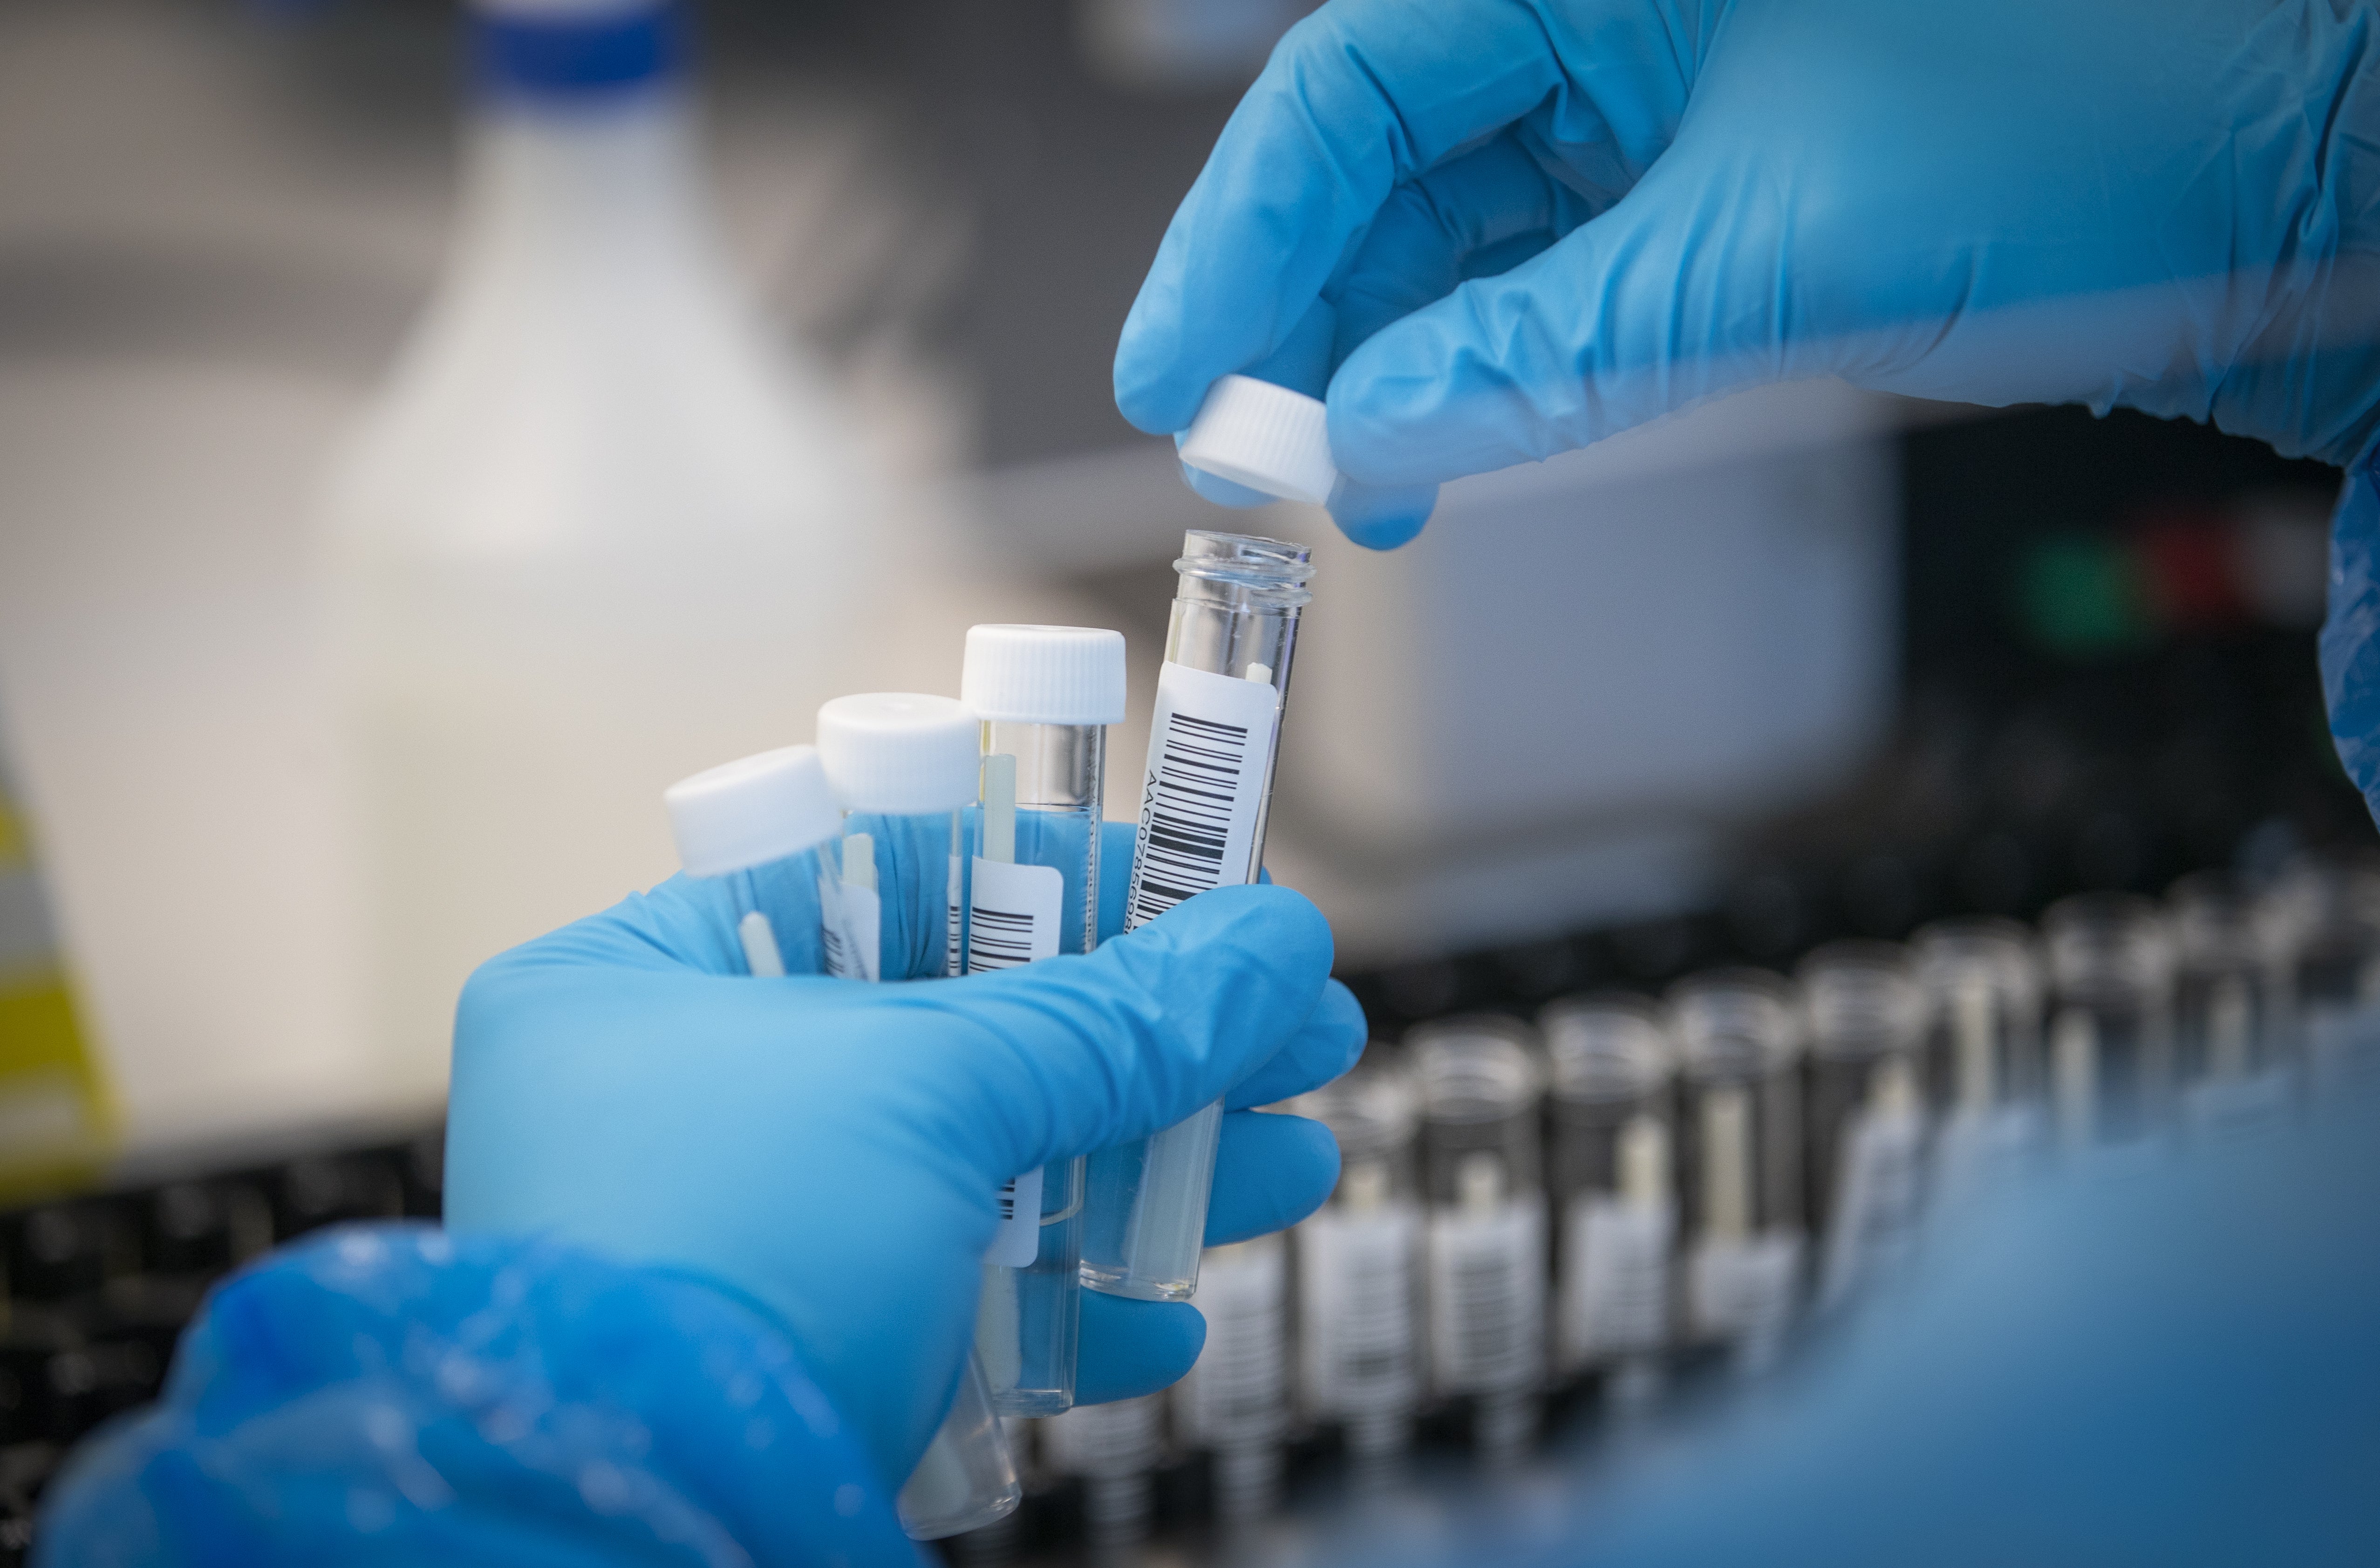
(2229, 969)
(1235, 1400)
(1863, 1014)
(757, 823)
(1613, 1120)
(1983, 986)
(1739, 1044)
(1485, 1248)
(904, 769)
(1358, 1259)
(1045, 696)
(1211, 747)
(2111, 973)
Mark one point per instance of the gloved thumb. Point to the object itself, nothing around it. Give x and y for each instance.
(1671, 296)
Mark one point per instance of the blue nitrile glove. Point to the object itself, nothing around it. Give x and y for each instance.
(831, 1149)
(1497, 229)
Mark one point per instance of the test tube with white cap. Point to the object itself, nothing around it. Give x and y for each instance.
(1212, 747)
(757, 823)
(1984, 977)
(1044, 697)
(903, 767)
(1864, 1015)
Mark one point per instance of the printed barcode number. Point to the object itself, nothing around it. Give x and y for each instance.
(998, 939)
(1189, 819)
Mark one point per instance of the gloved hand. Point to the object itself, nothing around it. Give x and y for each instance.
(1497, 229)
(831, 1149)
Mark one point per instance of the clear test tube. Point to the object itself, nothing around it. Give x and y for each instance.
(1740, 1159)
(1613, 1115)
(1234, 1402)
(1864, 1018)
(1045, 696)
(2111, 976)
(1485, 1247)
(1115, 1449)
(1211, 748)
(904, 769)
(2323, 919)
(1359, 1269)
(1984, 984)
(2227, 1006)
(757, 822)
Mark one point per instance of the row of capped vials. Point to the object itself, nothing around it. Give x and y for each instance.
(1623, 1183)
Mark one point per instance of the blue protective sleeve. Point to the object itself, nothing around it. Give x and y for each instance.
(2350, 635)
(387, 1394)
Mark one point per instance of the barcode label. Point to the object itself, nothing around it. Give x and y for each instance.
(1356, 1343)
(1018, 1241)
(1013, 915)
(1875, 1223)
(850, 928)
(1238, 1389)
(1210, 761)
(1486, 1298)
(1615, 1286)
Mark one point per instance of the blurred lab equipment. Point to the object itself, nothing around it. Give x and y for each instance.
(1485, 1245)
(596, 532)
(1741, 1157)
(2227, 1032)
(1212, 745)
(1613, 1119)
(1235, 1401)
(1044, 698)
(2111, 974)
(1115, 1449)
(1987, 1082)
(1359, 1272)
(904, 767)
(1864, 1018)
(2326, 911)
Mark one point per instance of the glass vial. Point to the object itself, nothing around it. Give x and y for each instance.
(2228, 980)
(1485, 1260)
(1234, 1402)
(2323, 915)
(1983, 986)
(1212, 747)
(1740, 1159)
(1045, 696)
(905, 768)
(1613, 1119)
(756, 825)
(1864, 1022)
(1359, 1269)
(2111, 975)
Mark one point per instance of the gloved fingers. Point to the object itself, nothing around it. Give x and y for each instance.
(1359, 97)
(1129, 1348)
(1655, 305)
(1083, 1053)
(1271, 1171)
(1323, 1047)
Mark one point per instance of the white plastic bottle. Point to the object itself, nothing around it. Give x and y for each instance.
(598, 532)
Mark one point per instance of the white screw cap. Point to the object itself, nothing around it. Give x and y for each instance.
(751, 811)
(1266, 437)
(1044, 674)
(900, 753)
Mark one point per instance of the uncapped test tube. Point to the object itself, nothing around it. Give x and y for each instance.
(1211, 748)
(756, 823)
(1234, 1402)
(1359, 1269)
(1738, 1045)
(1485, 1245)
(1984, 984)
(904, 769)
(1045, 696)
(1613, 1115)
(2111, 1023)
(1864, 1019)
(2229, 977)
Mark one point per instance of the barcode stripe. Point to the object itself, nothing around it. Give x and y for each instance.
(1186, 824)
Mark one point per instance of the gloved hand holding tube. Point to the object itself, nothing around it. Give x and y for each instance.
(1489, 232)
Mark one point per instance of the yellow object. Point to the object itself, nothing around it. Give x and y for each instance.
(58, 1118)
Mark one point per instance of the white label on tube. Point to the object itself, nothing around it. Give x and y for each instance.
(1013, 915)
(1874, 1221)
(1209, 751)
(1486, 1298)
(1018, 1242)
(851, 929)
(1355, 1301)
(1745, 1289)
(1615, 1288)
(1237, 1391)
